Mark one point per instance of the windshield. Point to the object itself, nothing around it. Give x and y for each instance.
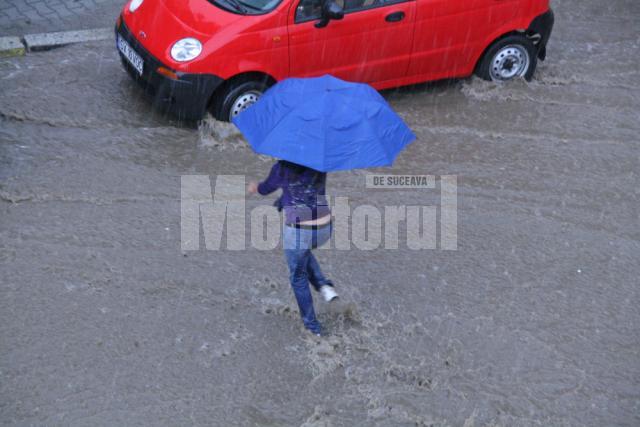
(246, 7)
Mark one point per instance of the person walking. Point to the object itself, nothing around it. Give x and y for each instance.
(317, 125)
(307, 225)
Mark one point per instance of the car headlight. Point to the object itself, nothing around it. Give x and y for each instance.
(134, 5)
(186, 49)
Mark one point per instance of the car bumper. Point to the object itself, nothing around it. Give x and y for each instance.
(542, 25)
(186, 97)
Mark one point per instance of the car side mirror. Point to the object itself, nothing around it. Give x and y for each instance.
(330, 10)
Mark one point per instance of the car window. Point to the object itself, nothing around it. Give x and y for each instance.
(308, 10)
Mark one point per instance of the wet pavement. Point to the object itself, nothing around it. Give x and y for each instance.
(533, 321)
(20, 17)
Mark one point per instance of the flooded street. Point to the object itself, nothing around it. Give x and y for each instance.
(532, 321)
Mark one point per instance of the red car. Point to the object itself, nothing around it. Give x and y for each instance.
(221, 55)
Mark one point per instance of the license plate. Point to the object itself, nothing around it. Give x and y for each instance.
(134, 59)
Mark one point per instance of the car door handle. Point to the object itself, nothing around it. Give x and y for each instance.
(395, 17)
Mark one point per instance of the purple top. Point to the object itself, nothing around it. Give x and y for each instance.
(303, 196)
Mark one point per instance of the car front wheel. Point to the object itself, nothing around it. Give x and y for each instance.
(509, 58)
(237, 97)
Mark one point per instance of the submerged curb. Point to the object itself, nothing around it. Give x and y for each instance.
(14, 46)
(11, 46)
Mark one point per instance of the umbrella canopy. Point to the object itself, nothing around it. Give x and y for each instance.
(326, 124)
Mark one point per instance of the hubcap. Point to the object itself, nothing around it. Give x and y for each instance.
(243, 102)
(510, 61)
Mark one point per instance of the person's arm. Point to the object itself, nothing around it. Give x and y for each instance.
(269, 185)
(272, 183)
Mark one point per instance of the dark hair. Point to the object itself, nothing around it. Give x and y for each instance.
(297, 170)
(294, 167)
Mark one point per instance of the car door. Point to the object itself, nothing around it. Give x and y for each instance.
(372, 43)
(448, 34)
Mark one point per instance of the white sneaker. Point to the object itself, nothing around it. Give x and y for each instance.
(328, 293)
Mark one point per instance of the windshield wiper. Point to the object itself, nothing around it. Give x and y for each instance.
(236, 4)
(249, 5)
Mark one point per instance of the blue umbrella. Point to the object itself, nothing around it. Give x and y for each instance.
(326, 124)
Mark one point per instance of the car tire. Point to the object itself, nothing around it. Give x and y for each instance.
(235, 97)
(509, 58)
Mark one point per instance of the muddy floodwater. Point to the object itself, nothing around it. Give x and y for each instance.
(532, 321)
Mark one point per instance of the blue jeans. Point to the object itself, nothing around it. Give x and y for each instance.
(304, 268)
